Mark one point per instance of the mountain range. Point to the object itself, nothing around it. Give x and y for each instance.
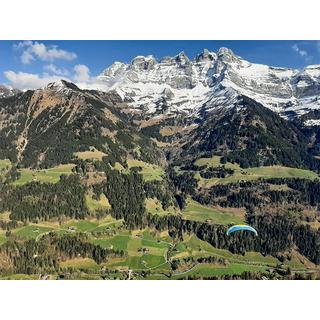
(140, 172)
(180, 85)
(217, 103)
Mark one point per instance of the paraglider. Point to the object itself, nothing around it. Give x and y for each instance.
(241, 227)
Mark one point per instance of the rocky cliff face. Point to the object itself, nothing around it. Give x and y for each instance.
(180, 85)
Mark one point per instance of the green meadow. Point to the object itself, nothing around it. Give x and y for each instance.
(250, 173)
(149, 171)
(31, 231)
(94, 205)
(154, 206)
(5, 164)
(51, 175)
(196, 211)
(80, 263)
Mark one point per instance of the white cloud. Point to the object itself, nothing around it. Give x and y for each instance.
(22, 44)
(302, 53)
(56, 70)
(52, 73)
(24, 81)
(82, 73)
(33, 50)
(26, 57)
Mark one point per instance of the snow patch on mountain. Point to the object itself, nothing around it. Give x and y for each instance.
(312, 122)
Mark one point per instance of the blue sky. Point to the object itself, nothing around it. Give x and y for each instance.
(30, 63)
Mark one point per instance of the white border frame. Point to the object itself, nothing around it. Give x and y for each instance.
(166, 19)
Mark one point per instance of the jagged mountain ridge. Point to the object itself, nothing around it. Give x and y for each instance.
(180, 85)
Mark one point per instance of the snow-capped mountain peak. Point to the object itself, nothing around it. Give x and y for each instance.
(8, 91)
(140, 63)
(62, 86)
(179, 84)
(206, 56)
(227, 55)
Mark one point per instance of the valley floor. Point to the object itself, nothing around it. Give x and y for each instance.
(150, 254)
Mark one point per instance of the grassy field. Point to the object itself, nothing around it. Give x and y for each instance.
(80, 225)
(31, 231)
(250, 173)
(118, 166)
(92, 225)
(196, 211)
(108, 226)
(118, 242)
(154, 206)
(280, 172)
(51, 175)
(144, 250)
(5, 164)
(80, 263)
(279, 187)
(94, 205)
(135, 240)
(92, 154)
(209, 162)
(149, 171)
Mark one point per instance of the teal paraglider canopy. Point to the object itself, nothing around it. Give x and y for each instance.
(241, 227)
